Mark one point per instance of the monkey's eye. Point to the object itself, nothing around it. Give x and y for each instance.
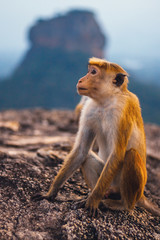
(93, 71)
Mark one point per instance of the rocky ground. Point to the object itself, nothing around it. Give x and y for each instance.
(33, 145)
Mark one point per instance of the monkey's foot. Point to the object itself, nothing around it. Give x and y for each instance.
(41, 196)
(112, 193)
(93, 212)
(113, 204)
(92, 204)
(80, 203)
(96, 213)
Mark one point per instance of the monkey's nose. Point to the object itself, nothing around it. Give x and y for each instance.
(79, 82)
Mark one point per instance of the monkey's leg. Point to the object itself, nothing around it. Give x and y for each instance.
(149, 206)
(113, 193)
(132, 182)
(91, 169)
(133, 178)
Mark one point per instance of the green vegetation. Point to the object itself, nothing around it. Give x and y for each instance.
(47, 78)
(149, 96)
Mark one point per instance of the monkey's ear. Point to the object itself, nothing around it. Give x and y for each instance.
(119, 79)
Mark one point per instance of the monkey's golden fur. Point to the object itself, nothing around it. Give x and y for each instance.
(112, 116)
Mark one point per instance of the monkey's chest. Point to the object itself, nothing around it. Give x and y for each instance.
(105, 136)
(106, 124)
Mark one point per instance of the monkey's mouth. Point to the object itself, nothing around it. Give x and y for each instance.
(80, 88)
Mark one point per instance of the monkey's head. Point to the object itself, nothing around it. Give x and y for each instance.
(103, 80)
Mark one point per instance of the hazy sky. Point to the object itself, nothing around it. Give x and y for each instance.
(133, 26)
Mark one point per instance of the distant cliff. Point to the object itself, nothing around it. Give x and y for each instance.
(58, 56)
(76, 31)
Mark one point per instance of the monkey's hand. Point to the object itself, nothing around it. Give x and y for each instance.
(41, 196)
(92, 204)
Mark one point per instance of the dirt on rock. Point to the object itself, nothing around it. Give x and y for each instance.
(33, 146)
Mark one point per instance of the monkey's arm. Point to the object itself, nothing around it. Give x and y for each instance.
(73, 161)
(79, 107)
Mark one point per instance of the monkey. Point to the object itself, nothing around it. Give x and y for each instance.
(111, 115)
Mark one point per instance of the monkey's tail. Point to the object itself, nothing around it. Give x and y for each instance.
(149, 206)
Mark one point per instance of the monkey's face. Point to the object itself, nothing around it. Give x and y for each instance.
(91, 83)
(100, 83)
(97, 83)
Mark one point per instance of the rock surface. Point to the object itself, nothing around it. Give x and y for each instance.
(34, 144)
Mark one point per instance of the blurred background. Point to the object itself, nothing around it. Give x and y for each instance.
(45, 46)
